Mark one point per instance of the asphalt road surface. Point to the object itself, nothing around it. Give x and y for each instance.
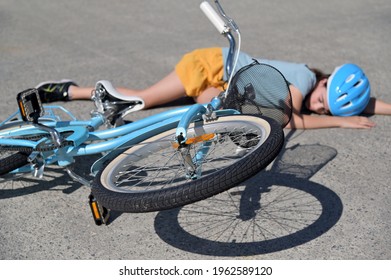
(327, 196)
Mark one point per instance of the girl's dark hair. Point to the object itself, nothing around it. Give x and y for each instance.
(320, 75)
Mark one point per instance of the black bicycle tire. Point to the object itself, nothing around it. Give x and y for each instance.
(12, 162)
(16, 159)
(196, 190)
(19, 155)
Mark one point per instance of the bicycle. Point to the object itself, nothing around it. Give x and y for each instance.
(166, 160)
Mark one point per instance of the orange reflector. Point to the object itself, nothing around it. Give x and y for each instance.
(95, 210)
(193, 140)
(22, 108)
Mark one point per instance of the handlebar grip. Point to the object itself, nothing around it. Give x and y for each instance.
(213, 17)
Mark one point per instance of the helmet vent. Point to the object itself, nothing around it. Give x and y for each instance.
(349, 78)
(346, 105)
(341, 97)
(358, 83)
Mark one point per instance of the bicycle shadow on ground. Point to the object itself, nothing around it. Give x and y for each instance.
(273, 211)
(54, 179)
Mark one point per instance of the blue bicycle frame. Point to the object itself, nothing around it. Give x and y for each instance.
(117, 138)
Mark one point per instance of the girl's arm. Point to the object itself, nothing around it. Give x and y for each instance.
(299, 121)
(378, 107)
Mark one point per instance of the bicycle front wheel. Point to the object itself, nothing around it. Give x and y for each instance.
(156, 174)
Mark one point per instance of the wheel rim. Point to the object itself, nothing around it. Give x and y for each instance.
(157, 164)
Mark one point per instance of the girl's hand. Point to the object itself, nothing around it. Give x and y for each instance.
(356, 122)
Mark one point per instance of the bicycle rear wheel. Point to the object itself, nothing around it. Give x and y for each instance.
(10, 160)
(14, 157)
(153, 176)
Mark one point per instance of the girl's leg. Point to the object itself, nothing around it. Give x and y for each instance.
(166, 90)
(207, 95)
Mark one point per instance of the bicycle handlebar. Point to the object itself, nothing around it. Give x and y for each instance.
(224, 24)
(211, 14)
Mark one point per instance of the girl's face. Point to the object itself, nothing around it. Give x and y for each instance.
(317, 101)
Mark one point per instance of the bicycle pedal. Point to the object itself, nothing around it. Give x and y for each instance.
(100, 214)
(30, 105)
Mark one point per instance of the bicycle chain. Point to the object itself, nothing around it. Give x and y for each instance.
(43, 148)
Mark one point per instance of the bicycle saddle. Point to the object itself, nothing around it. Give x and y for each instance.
(114, 94)
(113, 104)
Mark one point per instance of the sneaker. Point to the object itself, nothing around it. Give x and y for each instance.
(52, 91)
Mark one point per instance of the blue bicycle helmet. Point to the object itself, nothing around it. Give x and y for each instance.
(348, 90)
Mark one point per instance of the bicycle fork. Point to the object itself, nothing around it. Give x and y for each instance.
(193, 163)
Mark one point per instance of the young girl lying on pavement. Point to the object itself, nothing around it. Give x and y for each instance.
(337, 99)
